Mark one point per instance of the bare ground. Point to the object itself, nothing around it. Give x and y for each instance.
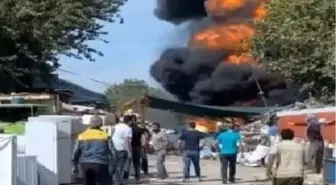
(210, 170)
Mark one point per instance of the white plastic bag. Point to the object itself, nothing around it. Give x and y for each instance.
(259, 153)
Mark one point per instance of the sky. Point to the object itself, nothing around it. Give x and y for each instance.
(133, 46)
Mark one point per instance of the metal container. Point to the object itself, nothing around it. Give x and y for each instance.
(329, 171)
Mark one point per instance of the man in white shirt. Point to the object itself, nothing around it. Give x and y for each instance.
(290, 157)
(121, 138)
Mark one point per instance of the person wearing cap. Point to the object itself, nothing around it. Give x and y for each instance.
(93, 153)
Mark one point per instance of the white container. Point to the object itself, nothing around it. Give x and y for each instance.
(7, 159)
(51, 139)
(26, 171)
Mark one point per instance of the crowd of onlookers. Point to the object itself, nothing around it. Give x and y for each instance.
(106, 160)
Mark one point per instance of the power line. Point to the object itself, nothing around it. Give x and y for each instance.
(86, 77)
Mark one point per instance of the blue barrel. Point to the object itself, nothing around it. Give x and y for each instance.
(329, 171)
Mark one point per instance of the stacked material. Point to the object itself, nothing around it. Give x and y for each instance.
(255, 144)
(251, 135)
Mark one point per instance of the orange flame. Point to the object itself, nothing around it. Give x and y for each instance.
(207, 125)
(224, 5)
(233, 37)
(219, 37)
(259, 13)
(203, 124)
(244, 58)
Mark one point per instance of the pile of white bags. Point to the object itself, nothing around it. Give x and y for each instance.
(255, 157)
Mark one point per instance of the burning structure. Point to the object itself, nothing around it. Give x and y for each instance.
(217, 67)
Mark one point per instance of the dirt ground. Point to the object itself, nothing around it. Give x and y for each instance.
(211, 176)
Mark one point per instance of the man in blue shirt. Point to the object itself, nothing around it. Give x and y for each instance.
(228, 148)
(190, 143)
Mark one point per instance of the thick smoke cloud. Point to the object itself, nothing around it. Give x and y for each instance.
(202, 76)
(177, 11)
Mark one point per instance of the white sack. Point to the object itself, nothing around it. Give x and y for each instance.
(259, 153)
(206, 153)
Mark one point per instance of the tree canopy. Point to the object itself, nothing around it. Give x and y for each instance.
(128, 90)
(297, 39)
(34, 32)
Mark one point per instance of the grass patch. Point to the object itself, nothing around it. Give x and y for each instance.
(13, 128)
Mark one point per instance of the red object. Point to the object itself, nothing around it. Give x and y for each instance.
(295, 120)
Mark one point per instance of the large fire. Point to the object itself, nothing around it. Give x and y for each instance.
(232, 37)
(235, 36)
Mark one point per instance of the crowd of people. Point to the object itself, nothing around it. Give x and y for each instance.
(106, 160)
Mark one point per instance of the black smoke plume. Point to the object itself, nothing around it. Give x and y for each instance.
(202, 76)
(177, 11)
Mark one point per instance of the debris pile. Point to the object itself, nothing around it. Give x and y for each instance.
(251, 135)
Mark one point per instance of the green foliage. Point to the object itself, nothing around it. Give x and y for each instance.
(17, 128)
(34, 32)
(128, 90)
(297, 39)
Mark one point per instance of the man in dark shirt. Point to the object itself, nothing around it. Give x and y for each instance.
(316, 143)
(144, 148)
(190, 144)
(136, 148)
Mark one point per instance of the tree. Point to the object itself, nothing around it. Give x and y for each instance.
(128, 90)
(34, 32)
(297, 39)
(119, 94)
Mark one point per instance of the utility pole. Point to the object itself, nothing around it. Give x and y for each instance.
(261, 92)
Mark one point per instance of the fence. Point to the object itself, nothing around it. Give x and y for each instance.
(16, 168)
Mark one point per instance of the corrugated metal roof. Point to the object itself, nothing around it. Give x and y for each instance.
(205, 110)
(80, 93)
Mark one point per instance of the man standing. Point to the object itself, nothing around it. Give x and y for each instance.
(316, 144)
(228, 148)
(160, 144)
(137, 133)
(144, 149)
(93, 152)
(190, 144)
(289, 156)
(122, 137)
(271, 127)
